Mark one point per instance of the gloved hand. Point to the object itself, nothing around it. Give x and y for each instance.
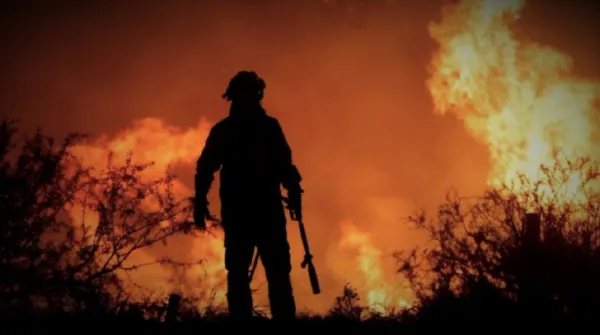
(201, 213)
(294, 198)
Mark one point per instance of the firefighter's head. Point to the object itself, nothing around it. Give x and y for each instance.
(245, 86)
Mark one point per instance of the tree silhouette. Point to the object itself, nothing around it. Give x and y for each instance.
(53, 261)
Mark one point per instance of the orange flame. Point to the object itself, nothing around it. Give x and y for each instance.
(151, 140)
(382, 294)
(519, 98)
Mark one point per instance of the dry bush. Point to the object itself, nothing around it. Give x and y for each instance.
(347, 305)
(482, 256)
(49, 260)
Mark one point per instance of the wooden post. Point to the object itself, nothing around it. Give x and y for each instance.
(530, 289)
(533, 228)
(173, 308)
(586, 241)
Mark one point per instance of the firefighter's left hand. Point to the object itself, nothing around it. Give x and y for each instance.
(295, 202)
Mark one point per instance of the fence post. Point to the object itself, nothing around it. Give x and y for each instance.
(173, 308)
(531, 292)
(533, 227)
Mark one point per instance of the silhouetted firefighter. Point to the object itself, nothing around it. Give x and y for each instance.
(255, 160)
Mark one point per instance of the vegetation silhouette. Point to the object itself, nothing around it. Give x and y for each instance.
(523, 253)
(50, 263)
(481, 265)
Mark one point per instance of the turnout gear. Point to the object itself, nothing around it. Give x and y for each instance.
(250, 150)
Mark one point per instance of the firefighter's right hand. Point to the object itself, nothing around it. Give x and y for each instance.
(201, 214)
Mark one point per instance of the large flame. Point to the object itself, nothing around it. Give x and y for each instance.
(151, 140)
(520, 98)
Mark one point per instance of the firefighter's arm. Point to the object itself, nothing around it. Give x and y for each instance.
(290, 176)
(207, 165)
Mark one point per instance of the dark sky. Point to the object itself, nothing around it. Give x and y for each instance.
(93, 65)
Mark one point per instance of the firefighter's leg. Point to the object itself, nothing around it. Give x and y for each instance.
(238, 256)
(275, 255)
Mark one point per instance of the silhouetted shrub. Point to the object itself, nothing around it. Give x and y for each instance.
(66, 231)
(347, 305)
(484, 262)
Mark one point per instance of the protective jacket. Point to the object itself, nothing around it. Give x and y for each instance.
(254, 159)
